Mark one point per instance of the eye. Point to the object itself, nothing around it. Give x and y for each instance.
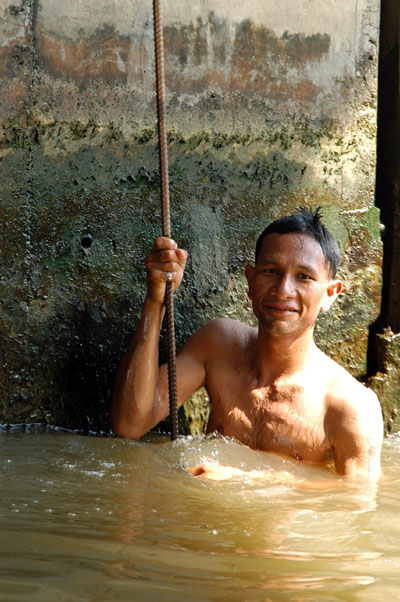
(269, 271)
(303, 276)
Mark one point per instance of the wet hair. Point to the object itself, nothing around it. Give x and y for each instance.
(306, 221)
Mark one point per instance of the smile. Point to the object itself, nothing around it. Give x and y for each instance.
(281, 309)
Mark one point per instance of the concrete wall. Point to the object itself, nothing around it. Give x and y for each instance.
(384, 345)
(270, 106)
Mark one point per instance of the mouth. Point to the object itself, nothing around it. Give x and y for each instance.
(281, 309)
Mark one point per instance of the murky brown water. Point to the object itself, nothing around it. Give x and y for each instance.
(101, 519)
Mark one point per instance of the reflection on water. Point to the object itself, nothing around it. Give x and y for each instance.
(102, 519)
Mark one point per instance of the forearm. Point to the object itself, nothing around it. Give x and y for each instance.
(135, 404)
(215, 471)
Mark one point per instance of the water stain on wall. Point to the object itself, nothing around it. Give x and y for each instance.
(79, 194)
(200, 55)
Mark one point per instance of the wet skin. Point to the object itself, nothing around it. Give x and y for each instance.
(271, 388)
(290, 284)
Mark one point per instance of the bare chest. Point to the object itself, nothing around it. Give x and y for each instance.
(286, 420)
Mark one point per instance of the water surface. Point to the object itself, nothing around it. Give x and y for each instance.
(103, 519)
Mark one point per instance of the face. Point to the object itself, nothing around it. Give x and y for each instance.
(290, 283)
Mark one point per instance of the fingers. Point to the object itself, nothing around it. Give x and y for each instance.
(164, 258)
(198, 470)
(160, 277)
(162, 242)
(166, 247)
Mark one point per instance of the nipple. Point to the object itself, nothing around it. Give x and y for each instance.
(297, 456)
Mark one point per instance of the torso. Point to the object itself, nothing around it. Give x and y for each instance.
(287, 418)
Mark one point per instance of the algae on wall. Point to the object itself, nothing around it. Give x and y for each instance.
(265, 113)
(386, 382)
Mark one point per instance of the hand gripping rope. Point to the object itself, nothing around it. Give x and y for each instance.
(165, 212)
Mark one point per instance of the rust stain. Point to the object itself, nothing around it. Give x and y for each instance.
(261, 61)
(198, 57)
(255, 61)
(98, 56)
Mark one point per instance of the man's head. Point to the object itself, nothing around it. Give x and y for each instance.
(308, 222)
(293, 279)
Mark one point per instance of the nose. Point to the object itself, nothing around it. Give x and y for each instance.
(284, 286)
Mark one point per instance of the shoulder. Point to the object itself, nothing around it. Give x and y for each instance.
(351, 405)
(221, 335)
(353, 423)
(343, 388)
(226, 330)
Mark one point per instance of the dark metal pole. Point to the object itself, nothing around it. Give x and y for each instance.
(165, 211)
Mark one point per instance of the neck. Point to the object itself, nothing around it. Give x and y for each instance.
(280, 356)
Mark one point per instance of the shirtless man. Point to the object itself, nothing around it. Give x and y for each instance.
(270, 387)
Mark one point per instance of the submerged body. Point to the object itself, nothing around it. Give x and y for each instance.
(270, 387)
(297, 415)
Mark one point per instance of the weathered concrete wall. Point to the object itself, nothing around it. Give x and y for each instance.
(386, 381)
(384, 344)
(270, 106)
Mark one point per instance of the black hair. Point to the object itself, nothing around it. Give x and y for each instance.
(306, 221)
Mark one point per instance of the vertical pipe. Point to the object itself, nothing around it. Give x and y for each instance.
(387, 195)
(165, 210)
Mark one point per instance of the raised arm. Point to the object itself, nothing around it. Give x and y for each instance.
(140, 396)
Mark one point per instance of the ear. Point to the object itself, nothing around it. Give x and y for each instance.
(331, 293)
(249, 272)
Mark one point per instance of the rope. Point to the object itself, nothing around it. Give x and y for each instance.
(165, 212)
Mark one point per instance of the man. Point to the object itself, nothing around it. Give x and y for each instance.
(270, 387)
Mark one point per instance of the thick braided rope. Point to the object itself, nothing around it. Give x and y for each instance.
(165, 211)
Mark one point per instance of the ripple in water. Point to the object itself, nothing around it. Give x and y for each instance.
(93, 518)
